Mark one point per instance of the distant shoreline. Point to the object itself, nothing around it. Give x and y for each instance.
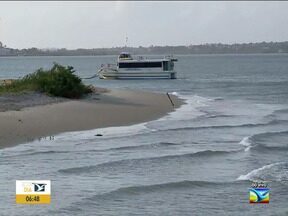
(212, 48)
(115, 55)
(37, 116)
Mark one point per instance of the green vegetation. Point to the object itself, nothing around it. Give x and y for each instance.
(59, 81)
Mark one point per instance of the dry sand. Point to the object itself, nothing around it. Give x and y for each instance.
(41, 118)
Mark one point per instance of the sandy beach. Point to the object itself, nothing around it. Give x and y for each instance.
(24, 118)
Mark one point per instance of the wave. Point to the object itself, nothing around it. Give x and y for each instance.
(123, 193)
(268, 149)
(269, 134)
(253, 141)
(219, 116)
(246, 142)
(175, 93)
(281, 111)
(189, 110)
(108, 132)
(280, 114)
(145, 146)
(217, 127)
(218, 99)
(249, 125)
(271, 172)
(37, 153)
(140, 162)
(164, 186)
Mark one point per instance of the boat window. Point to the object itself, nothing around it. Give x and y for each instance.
(140, 64)
(171, 65)
(165, 66)
(124, 56)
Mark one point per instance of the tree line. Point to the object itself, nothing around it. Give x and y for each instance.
(216, 48)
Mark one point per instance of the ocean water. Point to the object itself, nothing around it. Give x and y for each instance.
(199, 160)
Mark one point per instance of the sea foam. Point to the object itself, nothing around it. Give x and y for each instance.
(189, 110)
(108, 132)
(246, 141)
(266, 171)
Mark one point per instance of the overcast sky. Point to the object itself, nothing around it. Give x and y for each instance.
(106, 24)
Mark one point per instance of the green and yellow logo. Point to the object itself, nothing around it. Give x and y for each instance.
(259, 193)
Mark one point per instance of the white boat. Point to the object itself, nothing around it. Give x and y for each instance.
(140, 68)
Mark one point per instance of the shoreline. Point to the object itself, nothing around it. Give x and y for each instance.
(155, 54)
(44, 117)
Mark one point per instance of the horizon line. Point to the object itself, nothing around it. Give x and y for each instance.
(200, 44)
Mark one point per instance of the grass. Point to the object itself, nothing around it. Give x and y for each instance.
(59, 81)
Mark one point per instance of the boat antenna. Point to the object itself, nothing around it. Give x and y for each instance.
(126, 42)
(0, 33)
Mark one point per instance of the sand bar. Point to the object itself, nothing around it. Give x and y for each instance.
(38, 116)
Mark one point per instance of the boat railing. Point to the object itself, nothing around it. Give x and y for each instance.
(171, 57)
(109, 66)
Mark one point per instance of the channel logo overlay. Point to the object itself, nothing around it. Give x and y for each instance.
(33, 191)
(259, 193)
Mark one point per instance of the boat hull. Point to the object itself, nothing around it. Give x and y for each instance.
(115, 74)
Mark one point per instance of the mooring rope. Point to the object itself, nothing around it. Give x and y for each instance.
(96, 75)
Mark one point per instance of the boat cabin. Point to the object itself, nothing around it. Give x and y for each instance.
(125, 56)
(125, 61)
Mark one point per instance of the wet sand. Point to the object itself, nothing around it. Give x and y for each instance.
(34, 116)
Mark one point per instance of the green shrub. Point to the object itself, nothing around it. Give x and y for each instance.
(59, 81)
